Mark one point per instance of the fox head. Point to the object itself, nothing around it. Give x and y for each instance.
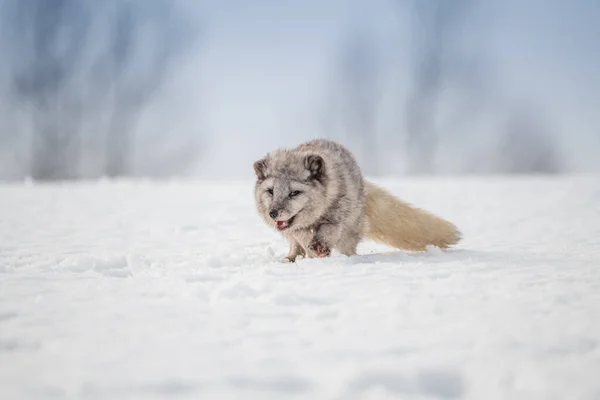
(290, 188)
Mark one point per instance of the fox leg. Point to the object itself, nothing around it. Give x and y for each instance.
(295, 250)
(325, 238)
(348, 243)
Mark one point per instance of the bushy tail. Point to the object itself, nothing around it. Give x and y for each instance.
(403, 226)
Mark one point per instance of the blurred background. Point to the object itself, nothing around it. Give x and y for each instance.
(164, 88)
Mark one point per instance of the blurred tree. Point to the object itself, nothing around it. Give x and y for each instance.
(133, 84)
(435, 23)
(352, 115)
(440, 64)
(69, 58)
(45, 57)
(527, 147)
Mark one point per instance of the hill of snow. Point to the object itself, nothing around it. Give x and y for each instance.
(142, 289)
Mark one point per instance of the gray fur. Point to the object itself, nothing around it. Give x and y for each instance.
(329, 212)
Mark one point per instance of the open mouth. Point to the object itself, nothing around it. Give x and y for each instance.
(284, 224)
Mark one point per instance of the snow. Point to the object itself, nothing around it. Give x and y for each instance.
(144, 289)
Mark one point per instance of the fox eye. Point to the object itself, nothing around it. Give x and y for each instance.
(294, 193)
(270, 191)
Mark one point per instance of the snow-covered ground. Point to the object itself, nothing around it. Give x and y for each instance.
(145, 290)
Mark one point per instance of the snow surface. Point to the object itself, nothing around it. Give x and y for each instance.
(147, 290)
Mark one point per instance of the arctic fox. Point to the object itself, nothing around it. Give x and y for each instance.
(316, 196)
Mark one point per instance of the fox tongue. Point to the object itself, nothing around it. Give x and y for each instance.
(282, 224)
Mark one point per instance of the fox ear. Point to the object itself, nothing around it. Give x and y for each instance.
(314, 164)
(260, 168)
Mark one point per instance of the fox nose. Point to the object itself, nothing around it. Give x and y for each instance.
(273, 214)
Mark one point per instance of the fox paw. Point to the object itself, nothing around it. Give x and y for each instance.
(320, 249)
(293, 259)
